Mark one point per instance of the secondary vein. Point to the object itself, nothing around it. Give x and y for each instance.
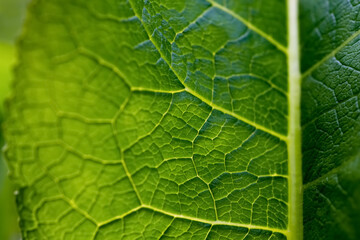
(179, 216)
(250, 26)
(331, 54)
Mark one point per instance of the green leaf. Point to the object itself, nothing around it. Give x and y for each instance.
(8, 217)
(331, 118)
(183, 120)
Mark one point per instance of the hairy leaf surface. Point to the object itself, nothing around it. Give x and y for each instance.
(168, 119)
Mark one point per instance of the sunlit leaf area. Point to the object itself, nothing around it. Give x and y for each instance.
(180, 119)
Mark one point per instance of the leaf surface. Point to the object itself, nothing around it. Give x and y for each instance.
(330, 39)
(181, 120)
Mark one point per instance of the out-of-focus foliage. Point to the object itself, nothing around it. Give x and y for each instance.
(11, 18)
(8, 217)
(6, 60)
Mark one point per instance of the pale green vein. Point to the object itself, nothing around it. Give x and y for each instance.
(179, 216)
(331, 54)
(250, 26)
(333, 108)
(194, 21)
(69, 201)
(237, 116)
(140, 89)
(103, 223)
(79, 210)
(103, 62)
(89, 157)
(153, 128)
(207, 234)
(213, 223)
(295, 215)
(197, 173)
(331, 173)
(123, 161)
(73, 115)
(168, 226)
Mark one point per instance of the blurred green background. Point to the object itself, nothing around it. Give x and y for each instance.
(12, 14)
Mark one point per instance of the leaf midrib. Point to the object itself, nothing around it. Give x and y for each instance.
(295, 192)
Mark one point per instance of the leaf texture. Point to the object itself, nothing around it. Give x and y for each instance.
(171, 119)
(331, 118)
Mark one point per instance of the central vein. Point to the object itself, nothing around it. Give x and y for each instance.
(294, 127)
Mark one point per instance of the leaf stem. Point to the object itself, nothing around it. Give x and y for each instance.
(294, 134)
